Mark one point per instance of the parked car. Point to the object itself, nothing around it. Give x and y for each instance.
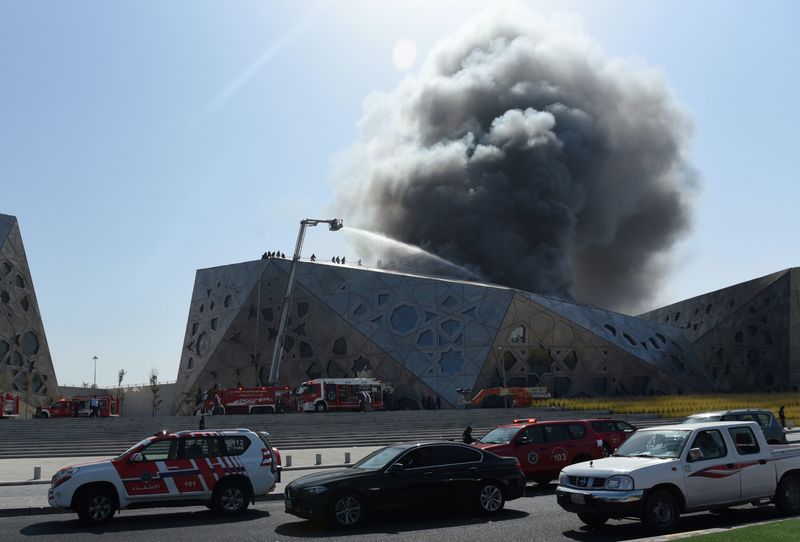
(613, 432)
(543, 448)
(662, 472)
(773, 431)
(405, 476)
(222, 469)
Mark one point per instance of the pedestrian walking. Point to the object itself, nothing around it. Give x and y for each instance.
(76, 409)
(94, 407)
(782, 416)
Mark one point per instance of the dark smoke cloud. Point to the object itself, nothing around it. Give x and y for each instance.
(524, 153)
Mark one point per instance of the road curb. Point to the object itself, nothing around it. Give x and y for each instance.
(45, 510)
(702, 532)
(25, 483)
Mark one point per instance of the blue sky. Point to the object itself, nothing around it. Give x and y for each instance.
(141, 141)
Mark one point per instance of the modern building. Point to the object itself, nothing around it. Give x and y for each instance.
(747, 335)
(434, 337)
(25, 364)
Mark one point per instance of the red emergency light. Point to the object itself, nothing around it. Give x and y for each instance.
(529, 420)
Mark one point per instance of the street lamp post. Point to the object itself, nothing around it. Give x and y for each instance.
(95, 371)
(334, 224)
(503, 366)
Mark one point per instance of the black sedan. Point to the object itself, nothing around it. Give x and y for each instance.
(404, 476)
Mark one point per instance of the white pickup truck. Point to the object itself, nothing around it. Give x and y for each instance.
(662, 472)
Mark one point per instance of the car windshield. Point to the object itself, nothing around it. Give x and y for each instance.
(499, 435)
(140, 443)
(380, 458)
(700, 419)
(667, 443)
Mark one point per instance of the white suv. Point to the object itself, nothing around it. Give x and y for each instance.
(222, 469)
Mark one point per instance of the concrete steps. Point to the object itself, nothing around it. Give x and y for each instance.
(111, 436)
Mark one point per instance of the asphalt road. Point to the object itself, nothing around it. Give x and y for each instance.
(535, 517)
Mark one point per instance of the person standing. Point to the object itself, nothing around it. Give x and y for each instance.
(202, 421)
(76, 409)
(94, 407)
(467, 436)
(438, 402)
(782, 416)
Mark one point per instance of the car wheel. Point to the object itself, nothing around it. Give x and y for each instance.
(660, 511)
(592, 520)
(320, 407)
(490, 498)
(787, 498)
(96, 506)
(347, 510)
(231, 498)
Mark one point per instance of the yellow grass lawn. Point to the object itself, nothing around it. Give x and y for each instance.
(674, 406)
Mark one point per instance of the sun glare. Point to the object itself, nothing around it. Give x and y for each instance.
(404, 54)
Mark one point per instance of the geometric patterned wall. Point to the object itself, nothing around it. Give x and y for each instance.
(426, 336)
(746, 335)
(25, 364)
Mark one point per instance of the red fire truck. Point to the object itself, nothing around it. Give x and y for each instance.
(9, 405)
(80, 407)
(264, 400)
(339, 394)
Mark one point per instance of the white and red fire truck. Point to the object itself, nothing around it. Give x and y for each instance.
(340, 394)
(9, 405)
(80, 407)
(263, 400)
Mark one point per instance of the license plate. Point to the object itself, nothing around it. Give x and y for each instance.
(577, 498)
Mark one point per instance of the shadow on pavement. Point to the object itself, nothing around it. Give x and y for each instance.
(123, 523)
(396, 523)
(735, 517)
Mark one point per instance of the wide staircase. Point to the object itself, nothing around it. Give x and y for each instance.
(68, 437)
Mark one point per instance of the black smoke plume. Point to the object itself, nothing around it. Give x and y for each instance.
(525, 154)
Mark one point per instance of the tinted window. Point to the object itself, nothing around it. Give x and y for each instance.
(534, 434)
(744, 440)
(556, 432)
(625, 426)
(195, 448)
(235, 445)
(710, 444)
(160, 450)
(417, 458)
(448, 455)
(602, 427)
(764, 420)
(577, 430)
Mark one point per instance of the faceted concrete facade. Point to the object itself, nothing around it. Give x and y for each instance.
(25, 364)
(426, 336)
(748, 335)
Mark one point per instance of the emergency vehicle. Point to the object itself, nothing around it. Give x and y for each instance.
(263, 400)
(222, 469)
(543, 448)
(613, 432)
(9, 405)
(108, 405)
(500, 397)
(340, 394)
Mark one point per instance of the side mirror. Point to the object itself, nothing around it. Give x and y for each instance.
(136, 458)
(695, 454)
(397, 467)
(522, 441)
